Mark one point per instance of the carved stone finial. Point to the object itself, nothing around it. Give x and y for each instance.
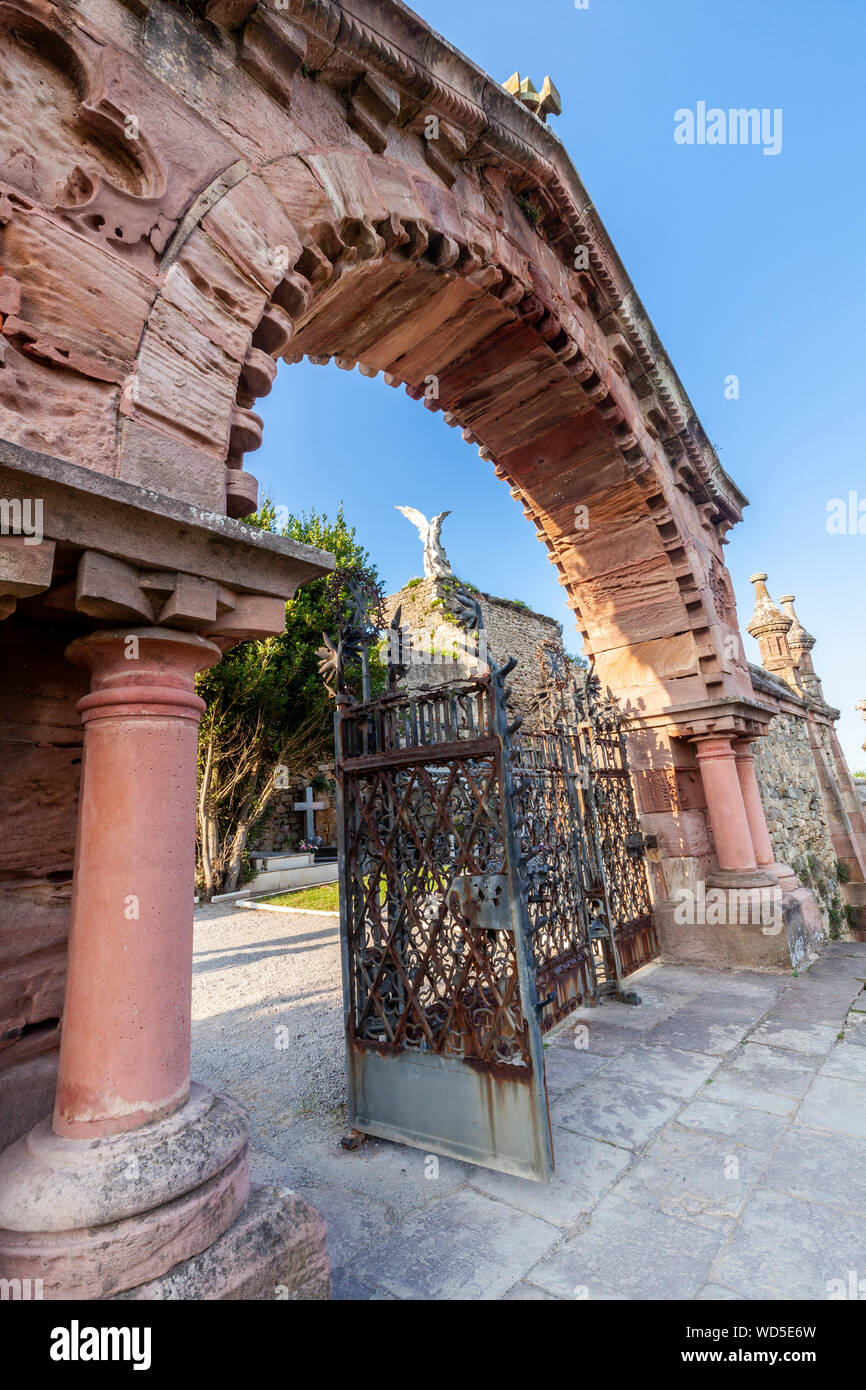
(798, 638)
(766, 617)
(769, 626)
(545, 103)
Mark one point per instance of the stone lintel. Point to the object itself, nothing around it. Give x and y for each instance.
(727, 715)
(143, 555)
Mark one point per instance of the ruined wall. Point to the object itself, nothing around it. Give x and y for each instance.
(510, 627)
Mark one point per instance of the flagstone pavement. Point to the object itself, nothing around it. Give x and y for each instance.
(709, 1142)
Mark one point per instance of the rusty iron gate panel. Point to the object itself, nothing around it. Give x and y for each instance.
(444, 1047)
(492, 880)
(560, 877)
(617, 844)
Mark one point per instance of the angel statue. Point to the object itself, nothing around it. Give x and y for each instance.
(436, 564)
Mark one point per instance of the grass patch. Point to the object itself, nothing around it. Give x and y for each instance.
(324, 897)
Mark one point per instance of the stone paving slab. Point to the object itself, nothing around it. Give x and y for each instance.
(525, 1292)
(695, 1030)
(694, 1176)
(770, 1070)
(847, 1062)
(750, 1097)
(585, 1169)
(626, 1114)
(709, 1142)
(566, 1067)
(855, 1032)
(814, 1039)
(819, 1167)
(667, 1069)
(630, 1252)
(460, 1247)
(597, 1036)
(787, 1248)
(831, 1103)
(756, 1128)
(807, 1008)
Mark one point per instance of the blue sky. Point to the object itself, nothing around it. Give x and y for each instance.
(748, 264)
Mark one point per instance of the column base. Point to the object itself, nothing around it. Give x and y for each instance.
(784, 934)
(784, 875)
(92, 1217)
(742, 878)
(274, 1250)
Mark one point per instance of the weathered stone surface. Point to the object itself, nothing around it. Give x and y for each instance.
(625, 1114)
(755, 1128)
(666, 1069)
(586, 1168)
(275, 1249)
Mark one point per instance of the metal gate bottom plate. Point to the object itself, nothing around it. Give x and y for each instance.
(467, 1114)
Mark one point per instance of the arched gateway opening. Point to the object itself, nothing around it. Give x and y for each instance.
(238, 183)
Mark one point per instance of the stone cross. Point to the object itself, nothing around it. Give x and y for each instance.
(309, 805)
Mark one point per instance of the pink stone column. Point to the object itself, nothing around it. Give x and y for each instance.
(125, 1042)
(754, 806)
(725, 807)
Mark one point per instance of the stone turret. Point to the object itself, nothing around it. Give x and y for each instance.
(769, 626)
(800, 644)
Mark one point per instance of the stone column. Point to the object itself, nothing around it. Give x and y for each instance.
(124, 1054)
(753, 804)
(140, 1170)
(757, 819)
(727, 813)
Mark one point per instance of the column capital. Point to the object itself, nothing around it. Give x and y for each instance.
(142, 671)
(710, 746)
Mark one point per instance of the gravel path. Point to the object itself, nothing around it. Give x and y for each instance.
(267, 1013)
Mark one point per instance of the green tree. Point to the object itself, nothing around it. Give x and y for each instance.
(269, 720)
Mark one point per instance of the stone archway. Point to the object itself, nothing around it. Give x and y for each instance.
(239, 182)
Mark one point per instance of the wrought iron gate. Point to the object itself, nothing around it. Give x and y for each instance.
(443, 1044)
(491, 881)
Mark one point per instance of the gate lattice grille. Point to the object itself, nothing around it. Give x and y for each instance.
(559, 876)
(422, 977)
(615, 829)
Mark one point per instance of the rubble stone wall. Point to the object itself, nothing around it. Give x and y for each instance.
(796, 813)
(511, 629)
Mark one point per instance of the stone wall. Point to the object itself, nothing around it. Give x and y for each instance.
(796, 813)
(283, 827)
(511, 629)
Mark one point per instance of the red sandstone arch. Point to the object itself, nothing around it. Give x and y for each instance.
(356, 257)
(235, 183)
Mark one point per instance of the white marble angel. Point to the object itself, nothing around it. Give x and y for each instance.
(436, 564)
